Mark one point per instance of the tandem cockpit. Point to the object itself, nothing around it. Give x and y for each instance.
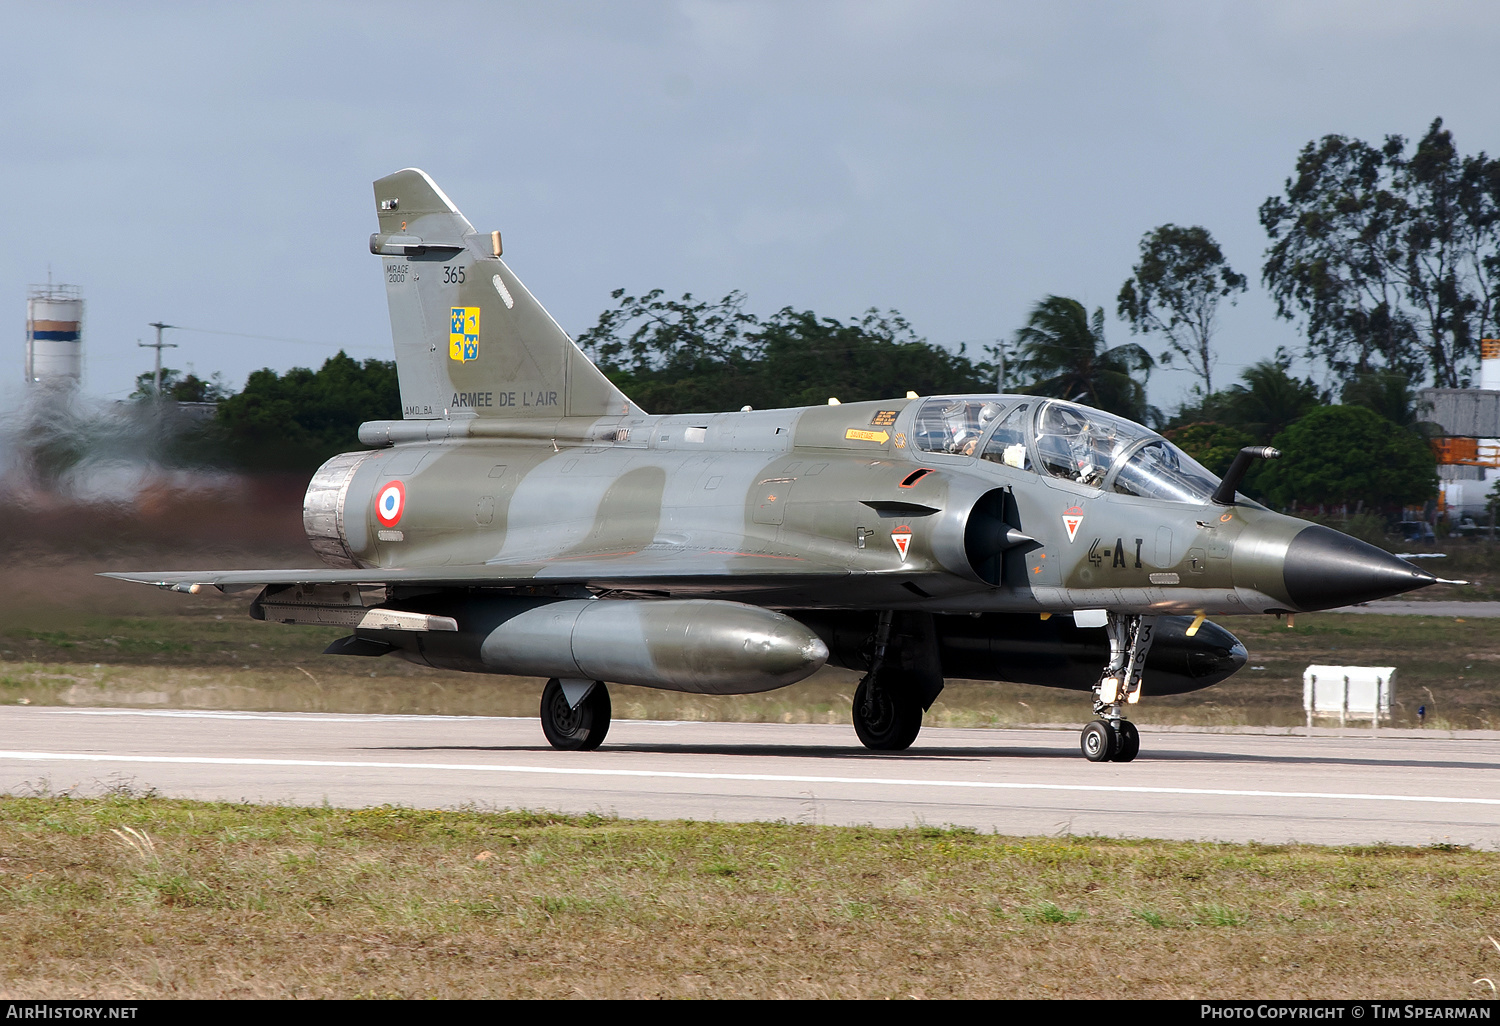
(1063, 440)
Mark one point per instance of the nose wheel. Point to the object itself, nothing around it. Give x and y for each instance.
(1110, 741)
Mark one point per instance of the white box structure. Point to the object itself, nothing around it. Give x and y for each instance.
(1348, 692)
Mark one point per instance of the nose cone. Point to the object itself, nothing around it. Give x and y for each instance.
(1325, 569)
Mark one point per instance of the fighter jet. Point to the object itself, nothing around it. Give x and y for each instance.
(525, 517)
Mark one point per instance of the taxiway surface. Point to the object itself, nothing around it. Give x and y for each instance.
(1361, 788)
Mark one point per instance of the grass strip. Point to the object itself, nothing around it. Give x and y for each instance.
(138, 896)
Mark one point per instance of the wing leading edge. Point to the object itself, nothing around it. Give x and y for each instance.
(727, 569)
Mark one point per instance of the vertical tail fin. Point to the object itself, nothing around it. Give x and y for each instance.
(470, 339)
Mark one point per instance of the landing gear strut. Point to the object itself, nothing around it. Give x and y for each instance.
(1111, 737)
(575, 722)
(888, 703)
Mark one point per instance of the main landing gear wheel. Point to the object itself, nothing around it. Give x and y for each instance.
(886, 718)
(579, 729)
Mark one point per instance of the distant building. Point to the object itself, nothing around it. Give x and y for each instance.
(1468, 447)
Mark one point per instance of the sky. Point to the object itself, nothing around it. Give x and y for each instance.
(209, 165)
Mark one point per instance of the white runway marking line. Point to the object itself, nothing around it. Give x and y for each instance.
(773, 778)
(197, 714)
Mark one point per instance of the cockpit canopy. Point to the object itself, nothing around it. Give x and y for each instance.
(1064, 440)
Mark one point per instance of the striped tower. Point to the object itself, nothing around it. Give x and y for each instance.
(54, 335)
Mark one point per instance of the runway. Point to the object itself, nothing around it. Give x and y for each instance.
(1360, 788)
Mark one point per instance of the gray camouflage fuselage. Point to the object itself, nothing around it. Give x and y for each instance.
(526, 517)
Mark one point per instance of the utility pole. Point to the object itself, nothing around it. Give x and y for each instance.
(158, 345)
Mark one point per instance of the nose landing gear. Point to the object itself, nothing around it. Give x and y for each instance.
(1111, 737)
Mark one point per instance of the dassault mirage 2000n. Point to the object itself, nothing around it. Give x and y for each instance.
(525, 517)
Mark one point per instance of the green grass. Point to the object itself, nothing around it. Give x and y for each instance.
(135, 896)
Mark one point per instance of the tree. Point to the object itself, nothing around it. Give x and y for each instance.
(1268, 400)
(1393, 259)
(1389, 395)
(1175, 289)
(687, 355)
(1271, 399)
(677, 356)
(1063, 350)
(807, 358)
(1213, 445)
(180, 388)
(1346, 455)
(296, 420)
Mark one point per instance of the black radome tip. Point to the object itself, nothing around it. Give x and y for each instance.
(1325, 569)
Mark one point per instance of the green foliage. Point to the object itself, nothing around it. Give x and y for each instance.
(1392, 258)
(687, 355)
(1063, 350)
(1389, 395)
(296, 420)
(180, 388)
(1213, 445)
(1348, 455)
(1268, 401)
(1175, 290)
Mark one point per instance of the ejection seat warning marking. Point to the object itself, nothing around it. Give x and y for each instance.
(463, 334)
(390, 503)
(902, 537)
(885, 418)
(861, 435)
(1072, 517)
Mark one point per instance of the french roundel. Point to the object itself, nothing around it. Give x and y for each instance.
(389, 503)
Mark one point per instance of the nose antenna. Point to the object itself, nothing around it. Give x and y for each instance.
(1224, 494)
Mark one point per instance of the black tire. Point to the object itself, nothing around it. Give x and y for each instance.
(1130, 742)
(894, 719)
(575, 730)
(1098, 742)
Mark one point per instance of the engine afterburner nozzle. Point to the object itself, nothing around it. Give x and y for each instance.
(1325, 569)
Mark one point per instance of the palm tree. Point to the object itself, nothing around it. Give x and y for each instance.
(1270, 400)
(1063, 351)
